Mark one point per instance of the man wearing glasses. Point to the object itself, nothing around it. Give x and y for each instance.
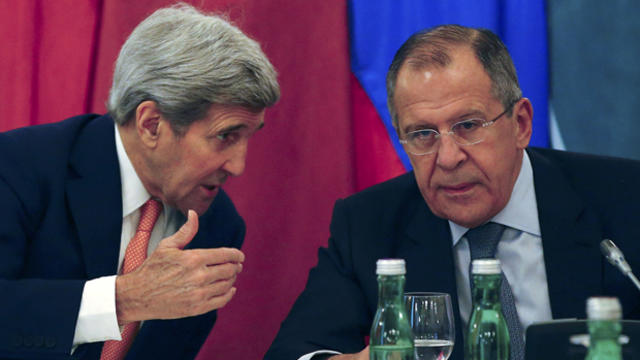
(456, 104)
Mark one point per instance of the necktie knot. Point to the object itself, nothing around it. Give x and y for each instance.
(483, 240)
(149, 213)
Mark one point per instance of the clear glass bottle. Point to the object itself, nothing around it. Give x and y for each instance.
(391, 337)
(604, 315)
(487, 335)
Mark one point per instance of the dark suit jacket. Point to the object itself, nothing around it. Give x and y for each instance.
(60, 224)
(581, 200)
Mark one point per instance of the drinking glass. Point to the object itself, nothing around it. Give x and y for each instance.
(431, 318)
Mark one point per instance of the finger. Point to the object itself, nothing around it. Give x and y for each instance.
(220, 287)
(218, 302)
(211, 257)
(210, 275)
(184, 235)
(366, 352)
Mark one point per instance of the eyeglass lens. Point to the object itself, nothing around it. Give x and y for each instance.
(464, 133)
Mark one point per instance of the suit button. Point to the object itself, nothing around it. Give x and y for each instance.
(38, 341)
(17, 340)
(50, 342)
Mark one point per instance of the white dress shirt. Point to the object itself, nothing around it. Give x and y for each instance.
(519, 252)
(97, 320)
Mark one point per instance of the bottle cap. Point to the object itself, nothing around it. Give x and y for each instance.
(486, 267)
(603, 308)
(390, 267)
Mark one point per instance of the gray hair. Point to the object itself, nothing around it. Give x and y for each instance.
(432, 47)
(185, 61)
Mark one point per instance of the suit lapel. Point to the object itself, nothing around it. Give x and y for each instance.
(428, 250)
(95, 196)
(570, 239)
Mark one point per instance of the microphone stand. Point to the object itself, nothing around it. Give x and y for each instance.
(615, 257)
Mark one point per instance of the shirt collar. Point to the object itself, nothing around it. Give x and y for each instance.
(134, 193)
(520, 213)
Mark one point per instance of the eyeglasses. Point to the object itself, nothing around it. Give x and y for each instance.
(466, 132)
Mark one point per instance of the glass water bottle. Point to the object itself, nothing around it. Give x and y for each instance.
(604, 315)
(391, 337)
(487, 335)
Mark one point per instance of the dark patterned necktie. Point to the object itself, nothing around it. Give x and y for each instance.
(483, 243)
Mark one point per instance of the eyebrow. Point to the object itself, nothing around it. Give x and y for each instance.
(471, 113)
(416, 127)
(232, 128)
(427, 125)
(239, 127)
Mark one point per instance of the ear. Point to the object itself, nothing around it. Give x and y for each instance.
(523, 111)
(147, 121)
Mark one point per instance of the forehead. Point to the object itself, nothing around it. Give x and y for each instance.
(225, 116)
(228, 113)
(462, 84)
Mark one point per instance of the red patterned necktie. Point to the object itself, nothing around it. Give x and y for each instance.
(133, 257)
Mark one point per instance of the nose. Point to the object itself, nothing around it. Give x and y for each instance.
(236, 160)
(449, 154)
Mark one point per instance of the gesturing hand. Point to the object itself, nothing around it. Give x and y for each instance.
(362, 355)
(174, 283)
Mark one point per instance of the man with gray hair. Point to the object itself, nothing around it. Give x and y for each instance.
(117, 239)
(457, 107)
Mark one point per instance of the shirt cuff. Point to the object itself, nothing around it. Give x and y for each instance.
(311, 355)
(97, 319)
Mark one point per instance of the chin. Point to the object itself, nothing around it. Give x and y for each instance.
(201, 208)
(470, 223)
(476, 219)
(198, 204)
(465, 218)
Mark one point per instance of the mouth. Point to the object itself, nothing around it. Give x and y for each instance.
(458, 189)
(210, 190)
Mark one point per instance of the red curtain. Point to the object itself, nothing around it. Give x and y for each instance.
(56, 60)
(46, 60)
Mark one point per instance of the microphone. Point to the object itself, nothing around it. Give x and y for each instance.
(616, 258)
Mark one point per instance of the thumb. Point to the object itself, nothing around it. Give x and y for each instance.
(184, 235)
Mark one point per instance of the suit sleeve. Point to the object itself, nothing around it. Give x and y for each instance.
(38, 315)
(332, 312)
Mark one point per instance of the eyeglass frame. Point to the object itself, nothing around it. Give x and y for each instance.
(485, 123)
